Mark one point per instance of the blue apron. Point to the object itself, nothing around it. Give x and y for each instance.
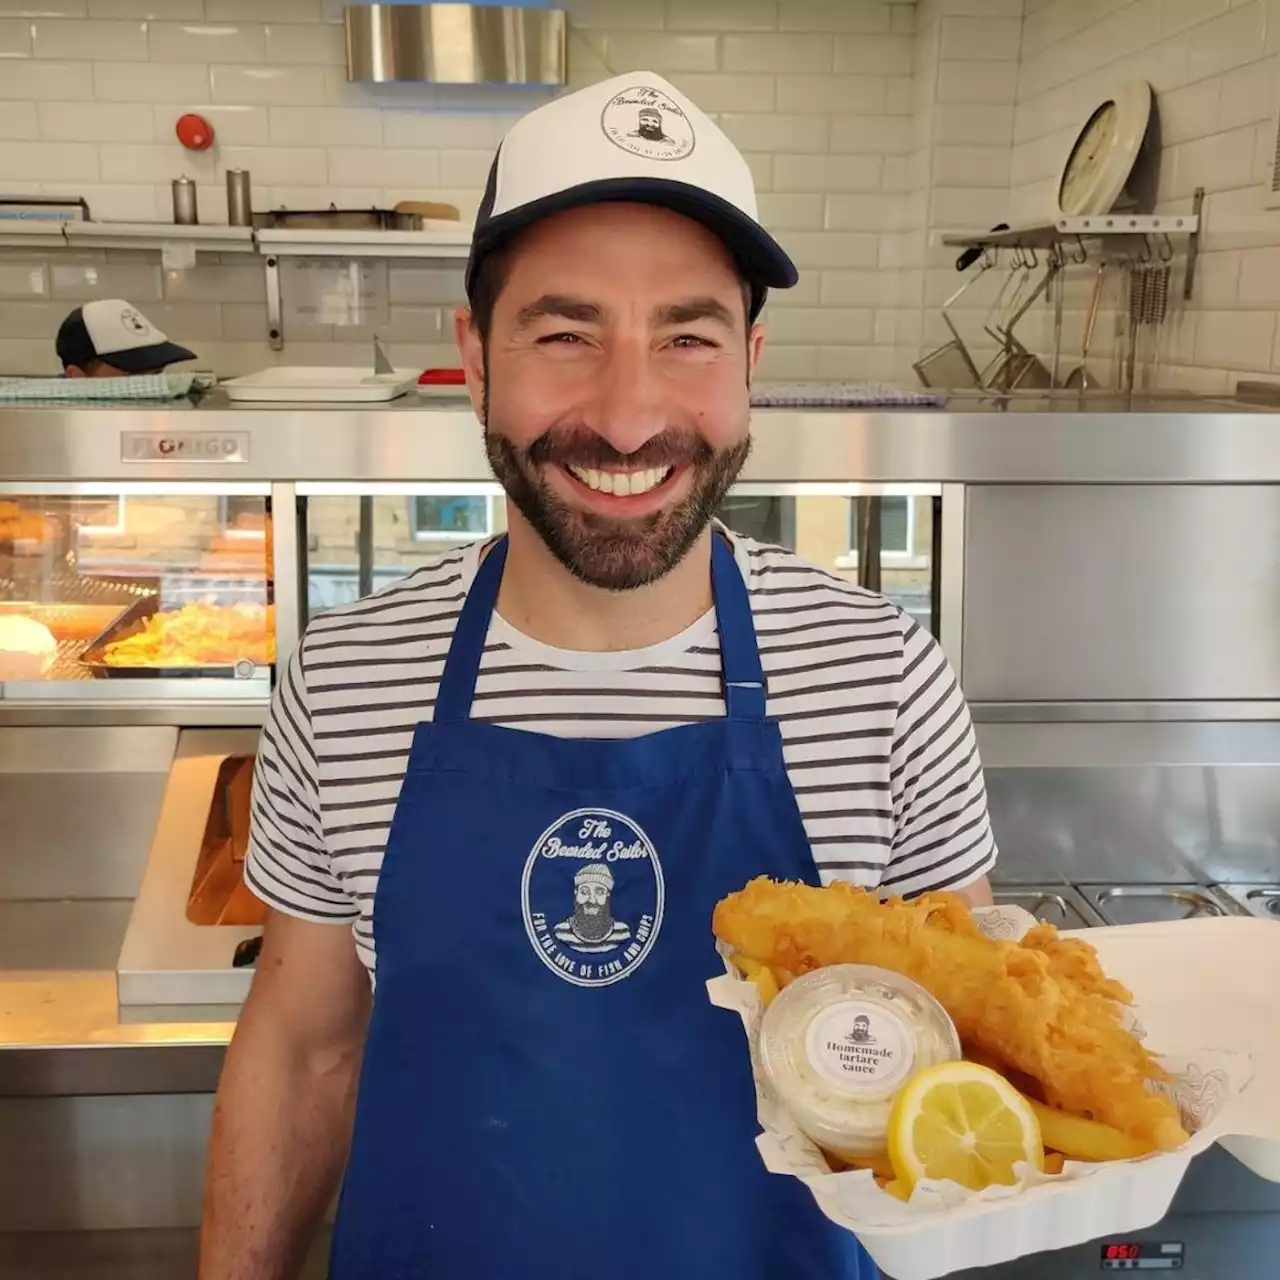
(546, 1090)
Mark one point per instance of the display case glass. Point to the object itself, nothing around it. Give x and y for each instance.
(134, 584)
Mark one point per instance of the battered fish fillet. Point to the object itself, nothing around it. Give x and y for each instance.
(1042, 1006)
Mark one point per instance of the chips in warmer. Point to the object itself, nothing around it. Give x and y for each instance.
(200, 635)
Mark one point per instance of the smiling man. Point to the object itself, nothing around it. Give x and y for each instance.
(520, 780)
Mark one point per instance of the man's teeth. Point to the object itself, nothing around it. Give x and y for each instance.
(621, 483)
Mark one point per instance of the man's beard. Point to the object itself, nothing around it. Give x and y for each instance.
(617, 555)
(591, 923)
(651, 132)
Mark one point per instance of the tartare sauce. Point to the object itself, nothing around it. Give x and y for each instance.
(838, 1044)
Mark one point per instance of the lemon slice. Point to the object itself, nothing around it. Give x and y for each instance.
(965, 1123)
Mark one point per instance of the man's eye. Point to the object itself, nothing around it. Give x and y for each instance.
(567, 338)
(691, 340)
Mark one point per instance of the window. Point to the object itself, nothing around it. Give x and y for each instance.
(897, 526)
(243, 517)
(452, 518)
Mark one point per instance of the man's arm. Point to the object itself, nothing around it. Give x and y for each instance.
(978, 894)
(282, 1120)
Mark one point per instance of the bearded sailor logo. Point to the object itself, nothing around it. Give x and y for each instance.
(592, 897)
(647, 123)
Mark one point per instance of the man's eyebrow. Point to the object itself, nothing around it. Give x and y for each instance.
(563, 305)
(689, 310)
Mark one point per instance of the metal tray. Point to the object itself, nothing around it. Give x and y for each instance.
(1257, 899)
(1058, 905)
(1150, 903)
(93, 659)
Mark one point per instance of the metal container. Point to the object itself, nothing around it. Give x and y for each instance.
(186, 212)
(239, 198)
(335, 219)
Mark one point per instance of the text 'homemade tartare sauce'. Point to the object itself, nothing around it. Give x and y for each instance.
(838, 1044)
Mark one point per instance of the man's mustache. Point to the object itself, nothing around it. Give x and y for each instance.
(581, 447)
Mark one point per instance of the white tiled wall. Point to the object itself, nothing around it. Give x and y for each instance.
(817, 92)
(1214, 67)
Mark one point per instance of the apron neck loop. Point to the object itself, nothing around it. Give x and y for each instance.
(462, 666)
(744, 691)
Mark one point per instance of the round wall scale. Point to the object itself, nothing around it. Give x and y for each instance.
(1102, 157)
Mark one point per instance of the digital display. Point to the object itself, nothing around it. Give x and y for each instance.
(1142, 1255)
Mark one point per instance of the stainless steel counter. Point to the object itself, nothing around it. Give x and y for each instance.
(1166, 441)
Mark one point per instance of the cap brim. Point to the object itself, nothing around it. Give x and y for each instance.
(147, 359)
(761, 258)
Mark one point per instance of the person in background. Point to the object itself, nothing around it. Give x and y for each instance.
(111, 338)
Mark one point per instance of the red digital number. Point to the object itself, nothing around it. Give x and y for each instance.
(1118, 1252)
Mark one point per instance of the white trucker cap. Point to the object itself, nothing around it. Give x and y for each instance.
(116, 332)
(632, 138)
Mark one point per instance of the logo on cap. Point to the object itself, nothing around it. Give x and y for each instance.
(133, 321)
(647, 123)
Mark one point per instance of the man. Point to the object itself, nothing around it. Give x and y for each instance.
(592, 927)
(618, 685)
(112, 339)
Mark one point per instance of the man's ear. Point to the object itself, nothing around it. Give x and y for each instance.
(755, 349)
(75, 371)
(471, 349)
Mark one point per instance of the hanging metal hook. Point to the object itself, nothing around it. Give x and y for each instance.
(1146, 249)
(1166, 247)
(1032, 260)
(1083, 253)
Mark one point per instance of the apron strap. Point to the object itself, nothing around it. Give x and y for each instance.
(744, 691)
(462, 666)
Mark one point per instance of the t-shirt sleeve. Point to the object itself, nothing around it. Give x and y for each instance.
(288, 865)
(942, 836)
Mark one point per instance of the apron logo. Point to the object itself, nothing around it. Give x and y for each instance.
(592, 897)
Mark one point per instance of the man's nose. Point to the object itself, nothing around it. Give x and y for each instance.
(627, 407)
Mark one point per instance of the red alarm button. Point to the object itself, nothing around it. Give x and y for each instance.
(194, 132)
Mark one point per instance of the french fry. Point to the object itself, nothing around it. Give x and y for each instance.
(1080, 1139)
(879, 1165)
(759, 973)
(1054, 1162)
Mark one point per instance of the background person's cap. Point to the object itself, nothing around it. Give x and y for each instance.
(632, 138)
(116, 332)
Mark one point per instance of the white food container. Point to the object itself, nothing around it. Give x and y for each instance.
(1205, 993)
(300, 384)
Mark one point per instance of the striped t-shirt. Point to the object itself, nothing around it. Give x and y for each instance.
(877, 739)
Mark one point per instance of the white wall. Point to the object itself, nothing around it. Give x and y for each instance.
(1214, 67)
(817, 92)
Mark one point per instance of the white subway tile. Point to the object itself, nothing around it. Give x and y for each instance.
(90, 39)
(268, 85)
(783, 364)
(796, 133)
(27, 357)
(20, 320)
(187, 84)
(1191, 112)
(47, 8)
(871, 135)
(860, 212)
(206, 41)
(761, 167)
(419, 285)
(821, 324)
(859, 288)
(283, 165)
(31, 81)
(854, 363)
(1230, 41)
(1218, 279)
(873, 55)
(18, 121)
(713, 91)
(715, 15)
(608, 15)
(312, 44)
(1248, 95)
(971, 166)
(822, 250)
(968, 208)
(216, 283)
(15, 37)
(1259, 278)
(325, 126)
(826, 173)
(975, 123)
(247, 322)
(113, 202)
(660, 52)
(438, 130)
(158, 162)
(899, 100)
(993, 82)
(902, 19)
(171, 10)
(465, 168)
(791, 212)
(859, 16)
(1179, 15)
(309, 197)
(1235, 339)
(1219, 162)
(778, 53)
(23, 279)
(987, 8)
(868, 94)
(251, 10)
(137, 281)
(104, 122)
(383, 167)
(232, 125)
(980, 39)
(22, 162)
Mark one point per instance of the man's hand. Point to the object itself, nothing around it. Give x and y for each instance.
(978, 894)
(286, 1101)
